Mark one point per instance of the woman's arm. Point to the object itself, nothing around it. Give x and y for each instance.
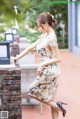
(27, 50)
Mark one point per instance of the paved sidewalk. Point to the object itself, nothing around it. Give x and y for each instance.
(68, 90)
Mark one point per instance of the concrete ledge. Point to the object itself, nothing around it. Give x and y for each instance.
(29, 66)
(10, 66)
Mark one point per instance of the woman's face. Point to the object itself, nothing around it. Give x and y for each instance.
(41, 27)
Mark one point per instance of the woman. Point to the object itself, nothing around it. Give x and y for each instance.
(45, 85)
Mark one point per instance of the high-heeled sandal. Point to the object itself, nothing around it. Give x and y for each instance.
(59, 104)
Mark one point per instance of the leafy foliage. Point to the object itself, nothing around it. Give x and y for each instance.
(27, 10)
(7, 8)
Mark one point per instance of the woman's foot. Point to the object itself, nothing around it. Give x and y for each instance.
(59, 104)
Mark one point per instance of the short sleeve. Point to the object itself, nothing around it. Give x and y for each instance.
(52, 40)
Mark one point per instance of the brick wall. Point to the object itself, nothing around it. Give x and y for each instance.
(14, 49)
(11, 92)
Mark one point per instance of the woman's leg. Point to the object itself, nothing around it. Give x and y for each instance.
(54, 113)
(51, 103)
(54, 108)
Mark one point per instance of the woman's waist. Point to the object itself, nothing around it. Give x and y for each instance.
(51, 69)
(51, 65)
(45, 58)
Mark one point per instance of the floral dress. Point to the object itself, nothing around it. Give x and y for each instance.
(44, 86)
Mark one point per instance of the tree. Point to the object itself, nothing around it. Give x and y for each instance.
(8, 14)
(7, 8)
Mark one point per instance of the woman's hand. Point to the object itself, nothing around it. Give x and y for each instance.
(39, 70)
(14, 59)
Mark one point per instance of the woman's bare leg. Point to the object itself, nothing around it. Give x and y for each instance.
(54, 113)
(51, 103)
(54, 105)
(54, 108)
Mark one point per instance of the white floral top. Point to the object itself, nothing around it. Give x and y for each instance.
(44, 45)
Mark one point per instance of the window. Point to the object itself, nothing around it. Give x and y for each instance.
(14, 31)
(78, 25)
(4, 53)
(9, 37)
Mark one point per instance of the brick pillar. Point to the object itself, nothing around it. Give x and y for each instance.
(17, 38)
(11, 92)
(15, 49)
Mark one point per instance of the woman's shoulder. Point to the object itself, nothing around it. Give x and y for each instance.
(52, 39)
(52, 36)
(43, 35)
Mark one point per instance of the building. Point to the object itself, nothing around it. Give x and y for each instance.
(74, 26)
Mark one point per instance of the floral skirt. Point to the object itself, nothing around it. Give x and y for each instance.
(45, 86)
